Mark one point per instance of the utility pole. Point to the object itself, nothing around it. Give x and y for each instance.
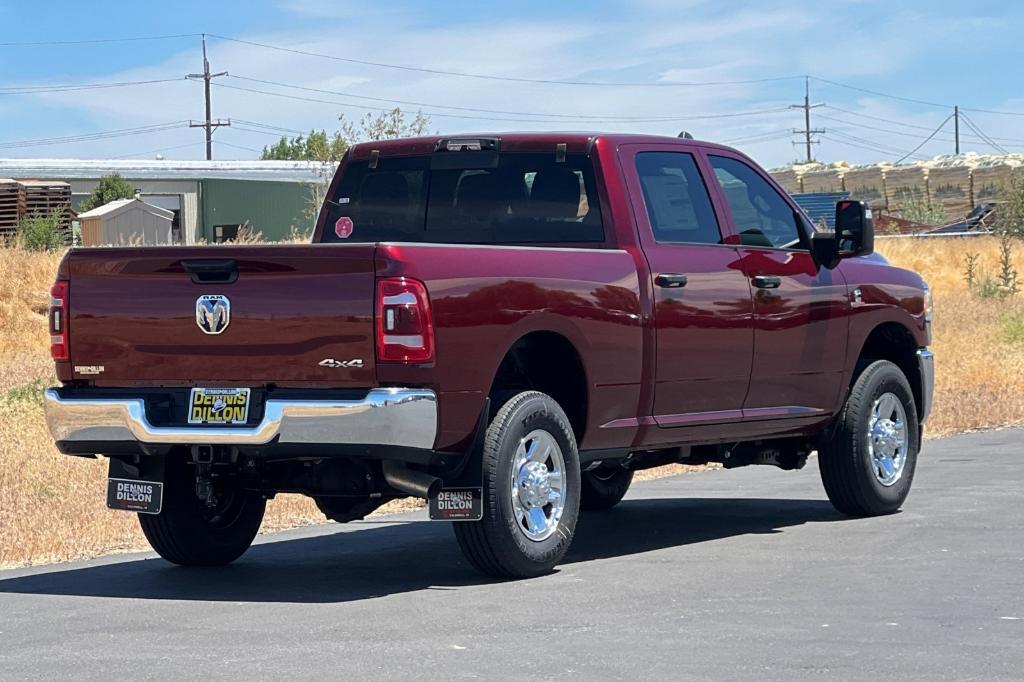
(956, 127)
(209, 124)
(807, 132)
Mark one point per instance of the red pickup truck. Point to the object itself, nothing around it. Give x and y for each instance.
(506, 325)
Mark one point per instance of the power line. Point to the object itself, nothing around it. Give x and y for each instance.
(238, 146)
(70, 87)
(976, 129)
(881, 94)
(466, 74)
(501, 119)
(926, 140)
(899, 123)
(94, 41)
(457, 108)
(901, 133)
(877, 146)
(856, 145)
(281, 129)
(756, 136)
(88, 137)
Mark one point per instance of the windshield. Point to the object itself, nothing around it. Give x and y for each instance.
(510, 198)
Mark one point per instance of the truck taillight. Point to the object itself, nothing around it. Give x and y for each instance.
(59, 321)
(405, 330)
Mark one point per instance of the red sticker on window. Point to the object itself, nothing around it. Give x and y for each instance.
(343, 228)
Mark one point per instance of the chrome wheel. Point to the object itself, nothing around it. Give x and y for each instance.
(887, 438)
(538, 485)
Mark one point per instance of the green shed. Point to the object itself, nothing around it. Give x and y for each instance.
(268, 207)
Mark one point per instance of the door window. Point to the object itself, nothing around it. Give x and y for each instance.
(763, 217)
(677, 200)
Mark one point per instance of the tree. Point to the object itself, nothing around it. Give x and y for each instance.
(38, 232)
(110, 188)
(329, 150)
(386, 125)
(317, 146)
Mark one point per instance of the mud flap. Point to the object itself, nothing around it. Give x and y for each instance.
(136, 487)
(460, 496)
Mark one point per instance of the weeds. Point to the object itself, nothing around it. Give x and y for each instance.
(1002, 286)
(1011, 327)
(41, 232)
(31, 392)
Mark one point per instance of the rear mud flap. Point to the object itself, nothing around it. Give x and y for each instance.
(136, 487)
(460, 497)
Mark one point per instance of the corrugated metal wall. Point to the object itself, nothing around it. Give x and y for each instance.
(271, 208)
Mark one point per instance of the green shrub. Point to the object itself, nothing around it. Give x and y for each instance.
(1011, 327)
(41, 232)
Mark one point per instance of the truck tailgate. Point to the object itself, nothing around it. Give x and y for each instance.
(295, 315)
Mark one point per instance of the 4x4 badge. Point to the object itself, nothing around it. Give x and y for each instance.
(331, 362)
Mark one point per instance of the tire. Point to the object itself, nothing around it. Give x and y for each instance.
(188, 533)
(857, 482)
(500, 544)
(604, 488)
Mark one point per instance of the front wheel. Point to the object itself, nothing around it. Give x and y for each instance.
(531, 495)
(868, 463)
(189, 532)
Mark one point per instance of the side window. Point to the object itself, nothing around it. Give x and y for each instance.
(677, 200)
(763, 217)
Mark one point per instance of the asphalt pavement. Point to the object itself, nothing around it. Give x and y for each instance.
(745, 574)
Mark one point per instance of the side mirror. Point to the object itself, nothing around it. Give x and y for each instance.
(855, 229)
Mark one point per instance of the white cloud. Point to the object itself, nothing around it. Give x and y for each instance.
(687, 42)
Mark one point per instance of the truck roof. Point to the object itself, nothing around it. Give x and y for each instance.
(575, 141)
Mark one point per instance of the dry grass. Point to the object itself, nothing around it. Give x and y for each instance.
(52, 507)
(979, 371)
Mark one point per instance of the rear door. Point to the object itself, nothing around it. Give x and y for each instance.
(800, 310)
(702, 303)
(244, 315)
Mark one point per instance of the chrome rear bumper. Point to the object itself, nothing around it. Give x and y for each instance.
(926, 366)
(401, 417)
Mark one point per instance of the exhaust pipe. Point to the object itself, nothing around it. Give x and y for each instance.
(415, 483)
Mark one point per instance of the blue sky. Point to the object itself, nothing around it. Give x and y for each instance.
(940, 52)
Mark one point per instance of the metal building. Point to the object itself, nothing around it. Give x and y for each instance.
(271, 197)
(126, 221)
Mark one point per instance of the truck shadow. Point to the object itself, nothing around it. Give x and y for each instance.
(368, 560)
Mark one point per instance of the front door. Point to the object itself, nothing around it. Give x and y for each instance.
(703, 313)
(801, 310)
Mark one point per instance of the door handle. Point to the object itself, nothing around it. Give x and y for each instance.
(767, 282)
(671, 280)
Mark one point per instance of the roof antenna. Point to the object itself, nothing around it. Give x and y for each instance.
(685, 135)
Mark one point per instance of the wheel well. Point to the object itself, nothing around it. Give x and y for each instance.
(546, 362)
(893, 342)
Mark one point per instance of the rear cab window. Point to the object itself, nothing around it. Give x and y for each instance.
(468, 197)
(678, 205)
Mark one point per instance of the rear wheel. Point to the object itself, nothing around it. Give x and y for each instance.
(604, 488)
(190, 532)
(531, 491)
(868, 464)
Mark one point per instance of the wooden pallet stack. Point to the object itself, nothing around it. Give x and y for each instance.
(12, 205)
(42, 197)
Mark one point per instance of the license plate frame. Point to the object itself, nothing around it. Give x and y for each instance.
(233, 410)
(132, 495)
